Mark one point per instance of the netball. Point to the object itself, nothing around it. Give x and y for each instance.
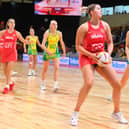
(103, 58)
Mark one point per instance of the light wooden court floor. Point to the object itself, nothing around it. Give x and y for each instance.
(28, 107)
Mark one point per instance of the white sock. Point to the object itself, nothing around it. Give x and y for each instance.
(117, 113)
(7, 86)
(55, 83)
(11, 82)
(76, 113)
(43, 82)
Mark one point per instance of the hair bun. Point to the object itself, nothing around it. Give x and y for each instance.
(84, 9)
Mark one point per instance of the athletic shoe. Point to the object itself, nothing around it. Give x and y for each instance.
(33, 73)
(13, 73)
(11, 86)
(109, 98)
(30, 73)
(56, 86)
(6, 89)
(74, 120)
(43, 86)
(119, 117)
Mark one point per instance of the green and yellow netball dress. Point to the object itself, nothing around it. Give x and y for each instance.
(32, 49)
(52, 46)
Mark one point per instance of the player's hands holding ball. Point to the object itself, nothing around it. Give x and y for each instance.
(94, 56)
(103, 58)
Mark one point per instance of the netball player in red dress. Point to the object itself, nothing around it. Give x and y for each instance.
(90, 40)
(1, 47)
(9, 52)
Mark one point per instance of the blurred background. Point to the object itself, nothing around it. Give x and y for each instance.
(39, 13)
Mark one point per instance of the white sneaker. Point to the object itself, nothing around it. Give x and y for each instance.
(33, 73)
(74, 120)
(119, 117)
(109, 98)
(30, 73)
(13, 73)
(56, 87)
(43, 86)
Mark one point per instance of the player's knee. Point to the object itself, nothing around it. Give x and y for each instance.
(30, 63)
(56, 68)
(89, 83)
(117, 86)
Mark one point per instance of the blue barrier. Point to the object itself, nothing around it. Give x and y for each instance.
(64, 61)
(73, 61)
(25, 57)
(40, 58)
(119, 65)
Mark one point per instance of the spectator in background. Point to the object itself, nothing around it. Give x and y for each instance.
(122, 34)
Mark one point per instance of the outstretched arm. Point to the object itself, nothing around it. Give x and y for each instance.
(20, 37)
(27, 38)
(24, 48)
(38, 42)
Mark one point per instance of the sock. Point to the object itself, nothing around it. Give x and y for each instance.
(11, 82)
(76, 113)
(117, 113)
(43, 82)
(7, 86)
(56, 83)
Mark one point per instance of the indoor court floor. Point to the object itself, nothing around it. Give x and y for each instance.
(28, 107)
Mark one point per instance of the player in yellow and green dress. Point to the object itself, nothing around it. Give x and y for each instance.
(32, 51)
(51, 38)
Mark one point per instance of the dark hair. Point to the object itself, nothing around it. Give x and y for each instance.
(91, 7)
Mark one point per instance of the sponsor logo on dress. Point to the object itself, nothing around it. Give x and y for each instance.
(9, 37)
(95, 36)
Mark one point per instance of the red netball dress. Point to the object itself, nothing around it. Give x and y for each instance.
(93, 42)
(9, 52)
(1, 45)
